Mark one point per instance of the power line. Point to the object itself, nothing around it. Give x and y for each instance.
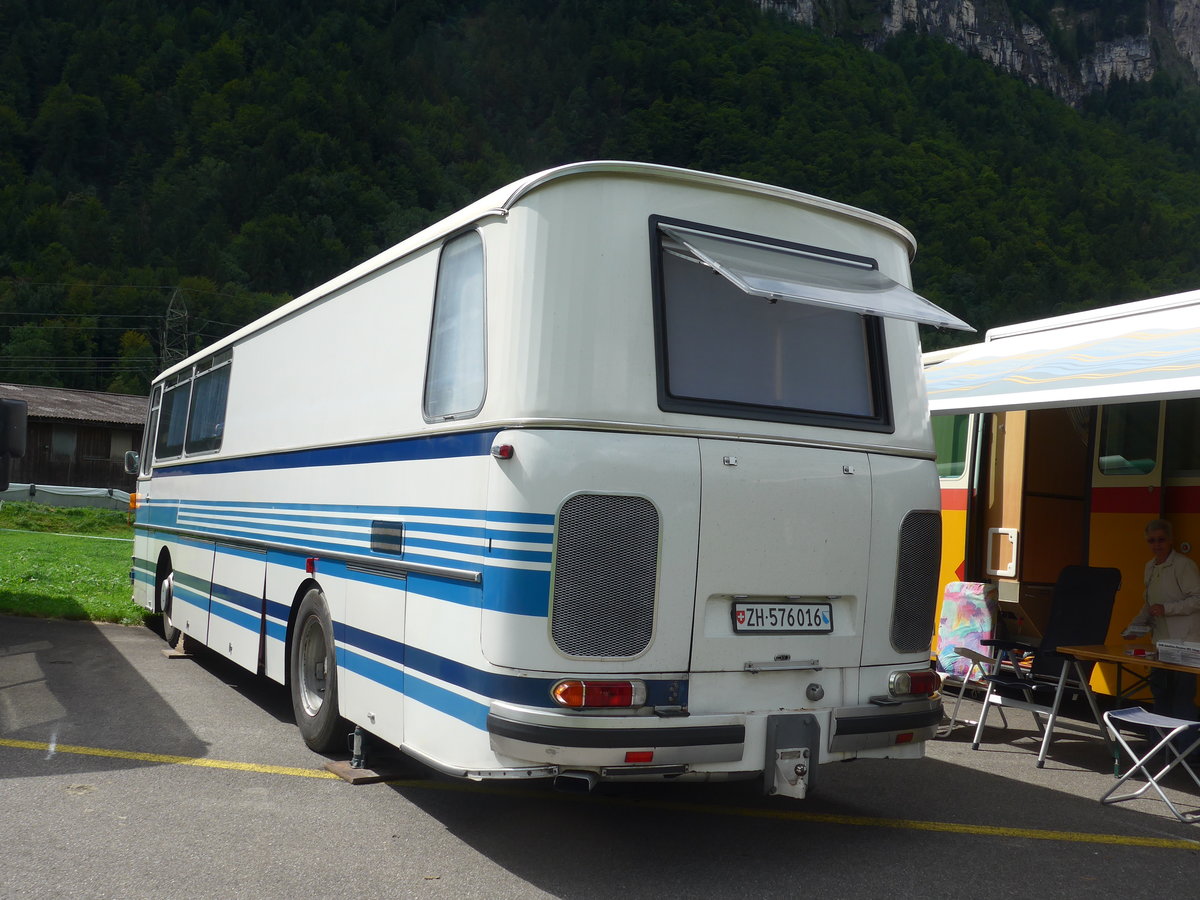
(83, 315)
(96, 370)
(63, 358)
(140, 287)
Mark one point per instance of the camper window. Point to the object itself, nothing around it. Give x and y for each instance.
(455, 379)
(1181, 453)
(1129, 439)
(732, 354)
(950, 441)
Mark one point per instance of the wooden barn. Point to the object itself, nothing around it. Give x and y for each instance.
(77, 438)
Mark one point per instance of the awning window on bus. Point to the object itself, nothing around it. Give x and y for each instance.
(781, 273)
(1048, 369)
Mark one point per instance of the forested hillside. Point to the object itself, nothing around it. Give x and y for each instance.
(220, 158)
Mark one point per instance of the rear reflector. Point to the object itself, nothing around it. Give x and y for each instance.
(922, 681)
(639, 756)
(576, 694)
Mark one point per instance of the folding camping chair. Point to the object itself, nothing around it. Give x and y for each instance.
(1036, 678)
(967, 618)
(1167, 730)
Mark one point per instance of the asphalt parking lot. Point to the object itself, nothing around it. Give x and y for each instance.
(127, 774)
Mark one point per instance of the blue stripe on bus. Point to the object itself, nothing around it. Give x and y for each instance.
(517, 591)
(269, 516)
(439, 698)
(448, 702)
(528, 691)
(442, 446)
(487, 517)
(303, 539)
(522, 690)
(236, 615)
(237, 598)
(514, 591)
(243, 610)
(542, 556)
(190, 584)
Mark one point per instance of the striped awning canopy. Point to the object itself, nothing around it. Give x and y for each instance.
(1143, 355)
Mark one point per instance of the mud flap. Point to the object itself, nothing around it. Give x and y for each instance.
(793, 748)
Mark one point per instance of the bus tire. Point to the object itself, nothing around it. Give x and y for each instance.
(166, 593)
(312, 675)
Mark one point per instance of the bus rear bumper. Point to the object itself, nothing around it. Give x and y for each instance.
(857, 728)
(576, 739)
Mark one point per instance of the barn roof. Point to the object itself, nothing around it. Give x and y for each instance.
(66, 405)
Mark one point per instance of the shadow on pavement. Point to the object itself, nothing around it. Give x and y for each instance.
(727, 839)
(75, 683)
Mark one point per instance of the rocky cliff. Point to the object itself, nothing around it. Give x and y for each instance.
(1069, 47)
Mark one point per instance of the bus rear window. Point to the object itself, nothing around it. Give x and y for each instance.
(726, 352)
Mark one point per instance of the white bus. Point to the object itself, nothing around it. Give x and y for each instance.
(623, 471)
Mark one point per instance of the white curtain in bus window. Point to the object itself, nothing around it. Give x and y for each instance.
(206, 421)
(455, 378)
(172, 420)
(725, 347)
(1129, 439)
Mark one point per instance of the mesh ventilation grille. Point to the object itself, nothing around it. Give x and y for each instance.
(916, 581)
(605, 570)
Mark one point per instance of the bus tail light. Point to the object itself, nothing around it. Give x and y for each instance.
(578, 694)
(922, 681)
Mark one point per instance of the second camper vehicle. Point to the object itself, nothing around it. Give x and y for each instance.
(623, 471)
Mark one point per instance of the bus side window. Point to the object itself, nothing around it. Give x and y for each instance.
(206, 419)
(148, 438)
(455, 378)
(173, 419)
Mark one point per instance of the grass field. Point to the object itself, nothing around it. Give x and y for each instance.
(66, 563)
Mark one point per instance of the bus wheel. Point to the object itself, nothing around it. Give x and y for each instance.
(166, 591)
(312, 671)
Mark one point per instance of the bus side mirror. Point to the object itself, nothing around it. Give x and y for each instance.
(132, 461)
(13, 416)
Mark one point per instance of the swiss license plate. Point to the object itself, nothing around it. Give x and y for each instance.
(759, 617)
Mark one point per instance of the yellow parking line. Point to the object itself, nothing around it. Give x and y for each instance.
(165, 758)
(1078, 837)
(1037, 834)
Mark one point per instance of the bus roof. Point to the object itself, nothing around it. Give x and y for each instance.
(1146, 350)
(499, 202)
